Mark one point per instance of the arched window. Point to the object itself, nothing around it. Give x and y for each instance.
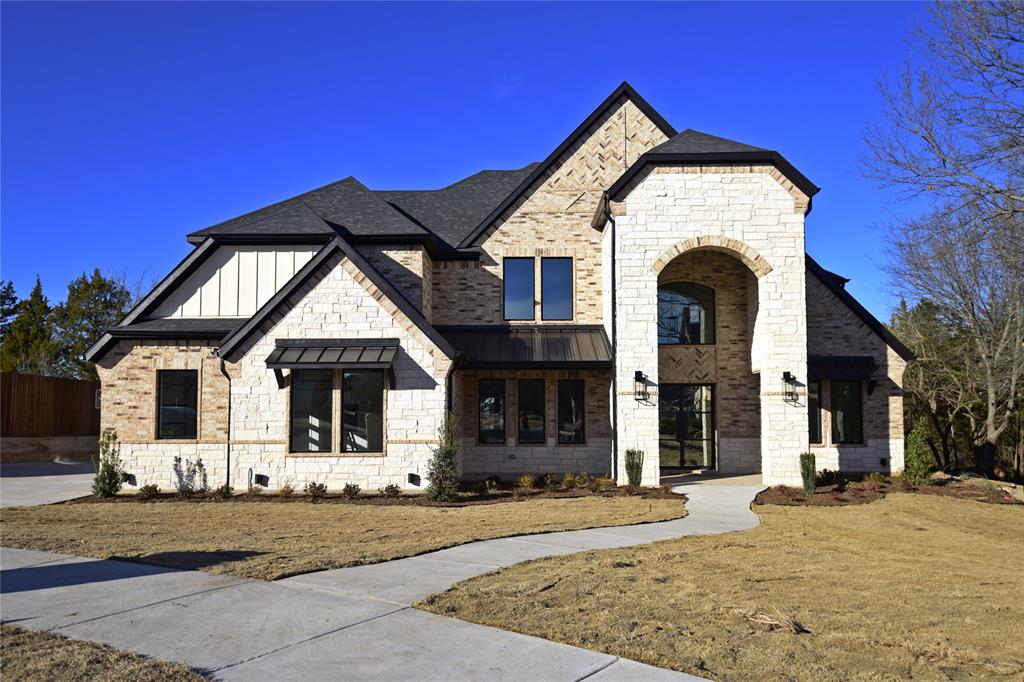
(686, 314)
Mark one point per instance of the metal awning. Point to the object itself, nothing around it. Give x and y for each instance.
(848, 367)
(531, 346)
(333, 354)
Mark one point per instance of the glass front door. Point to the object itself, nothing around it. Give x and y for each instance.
(686, 426)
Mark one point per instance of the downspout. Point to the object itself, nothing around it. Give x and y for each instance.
(227, 446)
(615, 373)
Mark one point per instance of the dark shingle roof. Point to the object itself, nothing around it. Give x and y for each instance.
(537, 346)
(695, 142)
(177, 327)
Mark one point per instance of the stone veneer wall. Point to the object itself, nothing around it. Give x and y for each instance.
(754, 213)
(833, 329)
(726, 363)
(552, 219)
(510, 459)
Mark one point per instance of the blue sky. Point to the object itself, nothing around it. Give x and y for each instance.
(124, 126)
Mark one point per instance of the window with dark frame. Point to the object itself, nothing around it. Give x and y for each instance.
(556, 289)
(362, 418)
(686, 314)
(530, 402)
(177, 403)
(492, 411)
(517, 279)
(814, 411)
(571, 412)
(311, 410)
(847, 413)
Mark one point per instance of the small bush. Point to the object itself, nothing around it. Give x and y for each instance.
(224, 492)
(606, 483)
(594, 485)
(917, 462)
(569, 481)
(315, 490)
(526, 481)
(634, 467)
(148, 492)
(389, 490)
(550, 483)
(808, 473)
(351, 491)
(877, 477)
(443, 467)
(286, 489)
(110, 474)
(189, 477)
(256, 490)
(630, 490)
(584, 480)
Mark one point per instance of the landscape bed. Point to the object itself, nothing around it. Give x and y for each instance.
(915, 586)
(831, 492)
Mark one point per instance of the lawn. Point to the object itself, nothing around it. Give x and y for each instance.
(271, 539)
(911, 586)
(32, 655)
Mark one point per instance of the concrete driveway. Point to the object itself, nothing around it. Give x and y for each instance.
(44, 482)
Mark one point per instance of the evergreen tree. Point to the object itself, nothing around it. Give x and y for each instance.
(93, 305)
(8, 307)
(28, 347)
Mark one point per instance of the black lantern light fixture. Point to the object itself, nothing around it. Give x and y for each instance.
(640, 387)
(789, 387)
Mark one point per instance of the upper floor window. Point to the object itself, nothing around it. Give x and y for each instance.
(519, 291)
(686, 314)
(177, 400)
(556, 288)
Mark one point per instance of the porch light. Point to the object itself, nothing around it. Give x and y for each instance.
(640, 386)
(789, 387)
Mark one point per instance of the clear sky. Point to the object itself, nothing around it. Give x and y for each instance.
(125, 126)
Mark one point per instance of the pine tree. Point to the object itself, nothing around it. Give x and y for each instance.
(94, 304)
(28, 347)
(8, 307)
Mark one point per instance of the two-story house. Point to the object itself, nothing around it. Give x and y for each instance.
(638, 288)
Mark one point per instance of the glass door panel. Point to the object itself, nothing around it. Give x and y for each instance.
(686, 426)
(669, 444)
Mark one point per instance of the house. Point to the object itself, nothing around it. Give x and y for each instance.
(638, 288)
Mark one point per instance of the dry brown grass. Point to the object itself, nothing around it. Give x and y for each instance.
(909, 586)
(271, 541)
(32, 655)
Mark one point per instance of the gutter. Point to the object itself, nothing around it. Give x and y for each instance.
(227, 447)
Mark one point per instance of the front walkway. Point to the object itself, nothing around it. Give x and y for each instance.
(351, 623)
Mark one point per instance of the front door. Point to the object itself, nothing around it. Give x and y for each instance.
(686, 426)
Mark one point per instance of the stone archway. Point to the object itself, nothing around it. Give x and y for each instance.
(734, 247)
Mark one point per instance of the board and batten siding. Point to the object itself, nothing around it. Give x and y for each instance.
(235, 281)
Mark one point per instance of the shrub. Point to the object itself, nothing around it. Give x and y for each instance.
(224, 492)
(351, 491)
(593, 485)
(634, 467)
(808, 473)
(315, 490)
(550, 483)
(256, 490)
(286, 489)
(526, 481)
(443, 467)
(190, 477)
(147, 492)
(917, 463)
(877, 477)
(630, 490)
(569, 481)
(109, 468)
(584, 480)
(606, 483)
(390, 490)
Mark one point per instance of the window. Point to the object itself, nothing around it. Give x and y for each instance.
(556, 288)
(177, 398)
(492, 410)
(531, 411)
(814, 410)
(311, 407)
(362, 421)
(686, 314)
(571, 412)
(518, 281)
(847, 412)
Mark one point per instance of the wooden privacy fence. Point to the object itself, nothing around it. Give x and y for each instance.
(47, 406)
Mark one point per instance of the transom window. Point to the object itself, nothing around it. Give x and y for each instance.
(686, 314)
(177, 399)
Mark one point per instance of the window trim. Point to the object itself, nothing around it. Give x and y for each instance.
(714, 313)
(533, 287)
(818, 414)
(159, 396)
(832, 412)
(558, 402)
(544, 411)
(572, 289)
(504, 412)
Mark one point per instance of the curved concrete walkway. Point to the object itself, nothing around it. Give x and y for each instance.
(345, 624)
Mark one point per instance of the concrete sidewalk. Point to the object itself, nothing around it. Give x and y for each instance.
(44, 482)
(353, 623)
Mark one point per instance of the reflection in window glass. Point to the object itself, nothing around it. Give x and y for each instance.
(571, 412)
(311, 410)
(519, 294)
(686, 314)
(177, 397)
(847, 412)
(362, 399)
(531, 411)
(492, 410)
(556, 288)
(814, 410)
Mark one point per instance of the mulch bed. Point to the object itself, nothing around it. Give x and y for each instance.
(864, 491)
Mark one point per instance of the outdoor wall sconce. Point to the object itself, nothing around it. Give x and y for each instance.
(640, 387)
(789, 387)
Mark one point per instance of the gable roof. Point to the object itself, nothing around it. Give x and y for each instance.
(695, 142)
(624, 90)
(837, 285)
(306, 278)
